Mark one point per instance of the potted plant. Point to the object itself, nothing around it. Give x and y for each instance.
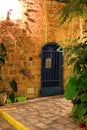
(5, 93)
(81, 124)
(3, 96)
(76, 85)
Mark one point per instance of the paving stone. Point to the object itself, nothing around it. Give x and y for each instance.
(47, 113)
(42, 125)
(4, 125)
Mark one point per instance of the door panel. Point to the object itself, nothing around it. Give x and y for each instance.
(52, 72)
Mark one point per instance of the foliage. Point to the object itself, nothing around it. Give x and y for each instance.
(11, 93)
(17, 99)
(13, 85)
(24, 71)
(76, 86)
(72, 9)
(2, 52)
(78, 57)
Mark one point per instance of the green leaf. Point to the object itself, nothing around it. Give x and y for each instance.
(85, 118)
(71, 88)
(70, 94)
(3, 47)
(84, 97)
(82, 109)
(12, 96)
(72, 82)
(13, 85)
(74, 109)
(72, 60)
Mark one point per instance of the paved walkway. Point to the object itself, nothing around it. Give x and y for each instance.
(4, 125)
(47, 113)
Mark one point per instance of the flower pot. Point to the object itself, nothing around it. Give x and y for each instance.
(81, 125)
(86, 127)
(3, 97)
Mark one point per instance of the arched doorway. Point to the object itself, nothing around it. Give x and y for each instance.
(52, 69)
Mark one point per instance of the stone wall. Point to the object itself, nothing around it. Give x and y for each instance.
(61, 34)
(24, 40)
(66, 31)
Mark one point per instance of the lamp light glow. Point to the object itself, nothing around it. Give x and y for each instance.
(13, 7)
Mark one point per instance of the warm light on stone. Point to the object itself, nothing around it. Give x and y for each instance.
(13, 7)
(28, 27)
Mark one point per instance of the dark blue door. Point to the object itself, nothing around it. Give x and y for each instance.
(52, 70)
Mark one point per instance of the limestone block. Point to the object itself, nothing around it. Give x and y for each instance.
(30, 91)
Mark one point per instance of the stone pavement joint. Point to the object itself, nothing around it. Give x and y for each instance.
(44, 113)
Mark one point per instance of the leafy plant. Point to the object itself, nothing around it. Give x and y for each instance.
(72, 9)
(3, 52)
(13, 85)
(24, 71)
(17, 99)
(76, 86)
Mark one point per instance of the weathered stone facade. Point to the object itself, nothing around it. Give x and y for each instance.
(24, 40)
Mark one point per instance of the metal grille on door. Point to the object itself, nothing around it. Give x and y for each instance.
(52, 69)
